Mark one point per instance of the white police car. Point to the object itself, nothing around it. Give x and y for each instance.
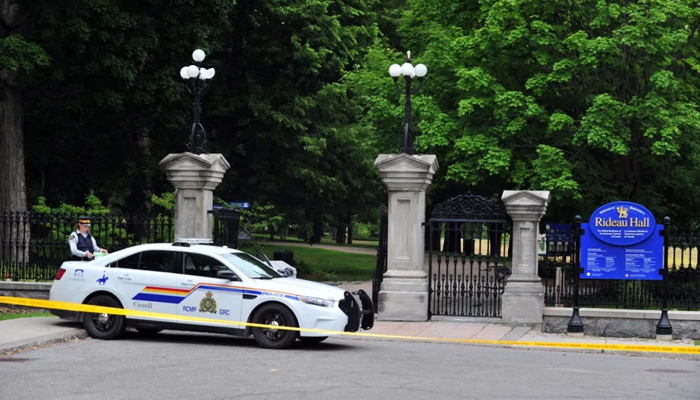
(219, 283)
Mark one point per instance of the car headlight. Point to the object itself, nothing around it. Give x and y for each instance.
(316, 301)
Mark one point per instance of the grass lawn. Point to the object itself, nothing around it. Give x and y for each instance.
(324, 265)
(370, 244)
(4, 317)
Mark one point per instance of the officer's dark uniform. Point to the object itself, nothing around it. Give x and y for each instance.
(80, 244)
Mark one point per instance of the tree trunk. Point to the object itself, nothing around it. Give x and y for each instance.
(13, 191)
(283, 230)
(453, 237)
(350, 232)
(317, 234)
(144, 143)
(494, 240)
(340, 234)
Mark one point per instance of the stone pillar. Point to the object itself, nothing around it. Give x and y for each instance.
(523, 299)
(194, 177)
(403, 295)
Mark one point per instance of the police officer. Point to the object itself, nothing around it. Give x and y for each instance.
(82, 243)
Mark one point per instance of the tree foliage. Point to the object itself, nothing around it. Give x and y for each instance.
(593, 100)
(112, 105)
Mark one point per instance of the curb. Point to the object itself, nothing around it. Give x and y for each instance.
(42, 341)
(564, 350)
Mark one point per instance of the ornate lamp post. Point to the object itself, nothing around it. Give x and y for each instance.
(409, 73)
(196, 81)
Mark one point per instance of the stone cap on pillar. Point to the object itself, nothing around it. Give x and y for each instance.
(194, 171)
(406, 172)
(526, 204)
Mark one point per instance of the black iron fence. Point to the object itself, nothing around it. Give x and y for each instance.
(227, 226)
(33, 245)
(557, 265)
(380, 267)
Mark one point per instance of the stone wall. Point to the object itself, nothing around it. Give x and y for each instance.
(622, 323)
(32, 290)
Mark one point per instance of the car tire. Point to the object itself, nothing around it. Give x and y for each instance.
(104, 326)
(148, 331)
(274, 314)
(312, 339)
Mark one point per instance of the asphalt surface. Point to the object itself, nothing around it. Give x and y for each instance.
(204, 366)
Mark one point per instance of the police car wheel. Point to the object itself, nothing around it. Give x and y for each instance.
(312, 339)
(275, 315)
(101, 325)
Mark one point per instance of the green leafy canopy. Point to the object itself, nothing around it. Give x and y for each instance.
(594, 100)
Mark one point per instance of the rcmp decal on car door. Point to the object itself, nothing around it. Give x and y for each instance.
(206, 298)
(176, 296)
(208, 303)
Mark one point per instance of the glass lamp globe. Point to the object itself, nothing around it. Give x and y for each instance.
(198, 55)
(192, 71)
(407, 70)
(395, 71)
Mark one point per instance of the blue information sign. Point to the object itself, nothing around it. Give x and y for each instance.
(558, 239)
(622, 241)
(240, 204)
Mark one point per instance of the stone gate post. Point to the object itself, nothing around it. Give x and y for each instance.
(523, 299)
(194, 176)
(404, 292)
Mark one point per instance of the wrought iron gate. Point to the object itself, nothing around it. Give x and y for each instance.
(227, 225)
(468, 257)
(380, 267)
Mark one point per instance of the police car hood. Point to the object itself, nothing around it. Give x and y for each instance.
(301, 287)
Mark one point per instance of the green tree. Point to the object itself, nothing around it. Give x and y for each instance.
(18, 58)
(281, 119)
(112, 104)
(592, 100)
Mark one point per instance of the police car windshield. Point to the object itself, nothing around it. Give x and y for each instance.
(251, 266)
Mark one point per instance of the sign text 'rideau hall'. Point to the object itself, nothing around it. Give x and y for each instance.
(622, 241)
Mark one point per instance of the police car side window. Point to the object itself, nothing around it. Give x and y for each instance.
(201, 265)
(131, 262)
(158, 261)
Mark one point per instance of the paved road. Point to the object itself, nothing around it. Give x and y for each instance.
(202, 366)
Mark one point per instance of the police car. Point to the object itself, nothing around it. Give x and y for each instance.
(218, 283)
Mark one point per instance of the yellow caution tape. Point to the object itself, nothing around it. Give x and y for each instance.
(59, 305)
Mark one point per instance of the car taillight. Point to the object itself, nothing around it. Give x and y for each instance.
(59, 274)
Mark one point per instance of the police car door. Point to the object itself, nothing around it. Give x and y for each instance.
(210, 297)
(147, 281)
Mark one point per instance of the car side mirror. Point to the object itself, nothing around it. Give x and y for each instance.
(227, 275)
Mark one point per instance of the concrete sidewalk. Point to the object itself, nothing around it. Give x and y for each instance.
(27, 333)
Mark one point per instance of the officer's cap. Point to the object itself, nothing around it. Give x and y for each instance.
(84, 220)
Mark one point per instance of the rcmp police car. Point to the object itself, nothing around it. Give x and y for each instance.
(218, 283)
